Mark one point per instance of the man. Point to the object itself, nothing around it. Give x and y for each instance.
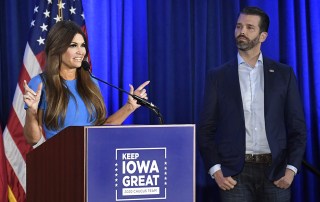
(252, 131)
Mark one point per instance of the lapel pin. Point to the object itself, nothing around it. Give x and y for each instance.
(271, 70)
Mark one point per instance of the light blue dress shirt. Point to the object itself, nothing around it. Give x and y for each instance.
(252, 92)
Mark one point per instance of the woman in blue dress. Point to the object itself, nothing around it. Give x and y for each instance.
(65, 94)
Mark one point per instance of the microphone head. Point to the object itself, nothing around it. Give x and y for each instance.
(85, 65)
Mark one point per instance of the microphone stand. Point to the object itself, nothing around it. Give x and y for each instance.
(159, 115)
(140, 101)
(311, 168)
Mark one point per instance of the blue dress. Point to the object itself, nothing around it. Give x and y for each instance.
(76, 114)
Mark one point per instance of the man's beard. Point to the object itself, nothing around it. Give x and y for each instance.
(247, 44)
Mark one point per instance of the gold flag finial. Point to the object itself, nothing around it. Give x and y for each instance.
(60, 13)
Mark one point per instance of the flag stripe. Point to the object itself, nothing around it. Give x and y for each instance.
(15, 185)
(15, 159)
(41, 59)
(18, 107)
(31, 62)
(23, 76)
(15, 130)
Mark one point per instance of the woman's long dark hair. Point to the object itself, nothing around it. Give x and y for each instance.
(57, 93)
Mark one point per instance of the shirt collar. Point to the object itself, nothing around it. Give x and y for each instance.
(241, 61)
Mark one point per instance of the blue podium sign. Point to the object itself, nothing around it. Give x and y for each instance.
(145, 163)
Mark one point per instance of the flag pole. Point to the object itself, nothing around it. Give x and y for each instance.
(60, 13)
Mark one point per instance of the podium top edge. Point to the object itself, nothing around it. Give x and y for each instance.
(142, 126)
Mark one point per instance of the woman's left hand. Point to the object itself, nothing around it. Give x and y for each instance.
(140, 91)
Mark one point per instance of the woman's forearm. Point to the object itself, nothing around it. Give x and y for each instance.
(32, 127)
(121, 115)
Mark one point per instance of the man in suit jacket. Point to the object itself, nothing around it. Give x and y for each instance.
(252, 132)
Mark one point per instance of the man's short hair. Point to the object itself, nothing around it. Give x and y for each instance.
(264, 18)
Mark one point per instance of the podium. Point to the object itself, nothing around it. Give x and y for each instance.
(114, 163)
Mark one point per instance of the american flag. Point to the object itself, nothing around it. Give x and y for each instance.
(46, 14)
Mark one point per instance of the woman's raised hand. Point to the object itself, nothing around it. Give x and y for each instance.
(30, 97)
(140, 91)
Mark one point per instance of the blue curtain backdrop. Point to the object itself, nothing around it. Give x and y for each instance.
(172, 44)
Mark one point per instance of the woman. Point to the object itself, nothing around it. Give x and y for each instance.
(65, 94)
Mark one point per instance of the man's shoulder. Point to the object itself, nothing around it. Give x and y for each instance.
(275, 64)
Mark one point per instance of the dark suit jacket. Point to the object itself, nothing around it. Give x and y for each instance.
(221, 129)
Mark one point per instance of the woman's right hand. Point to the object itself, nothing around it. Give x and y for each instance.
(30, 97)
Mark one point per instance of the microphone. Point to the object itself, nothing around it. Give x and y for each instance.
(141, 101)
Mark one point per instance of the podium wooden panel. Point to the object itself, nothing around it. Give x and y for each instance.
(56, 169)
